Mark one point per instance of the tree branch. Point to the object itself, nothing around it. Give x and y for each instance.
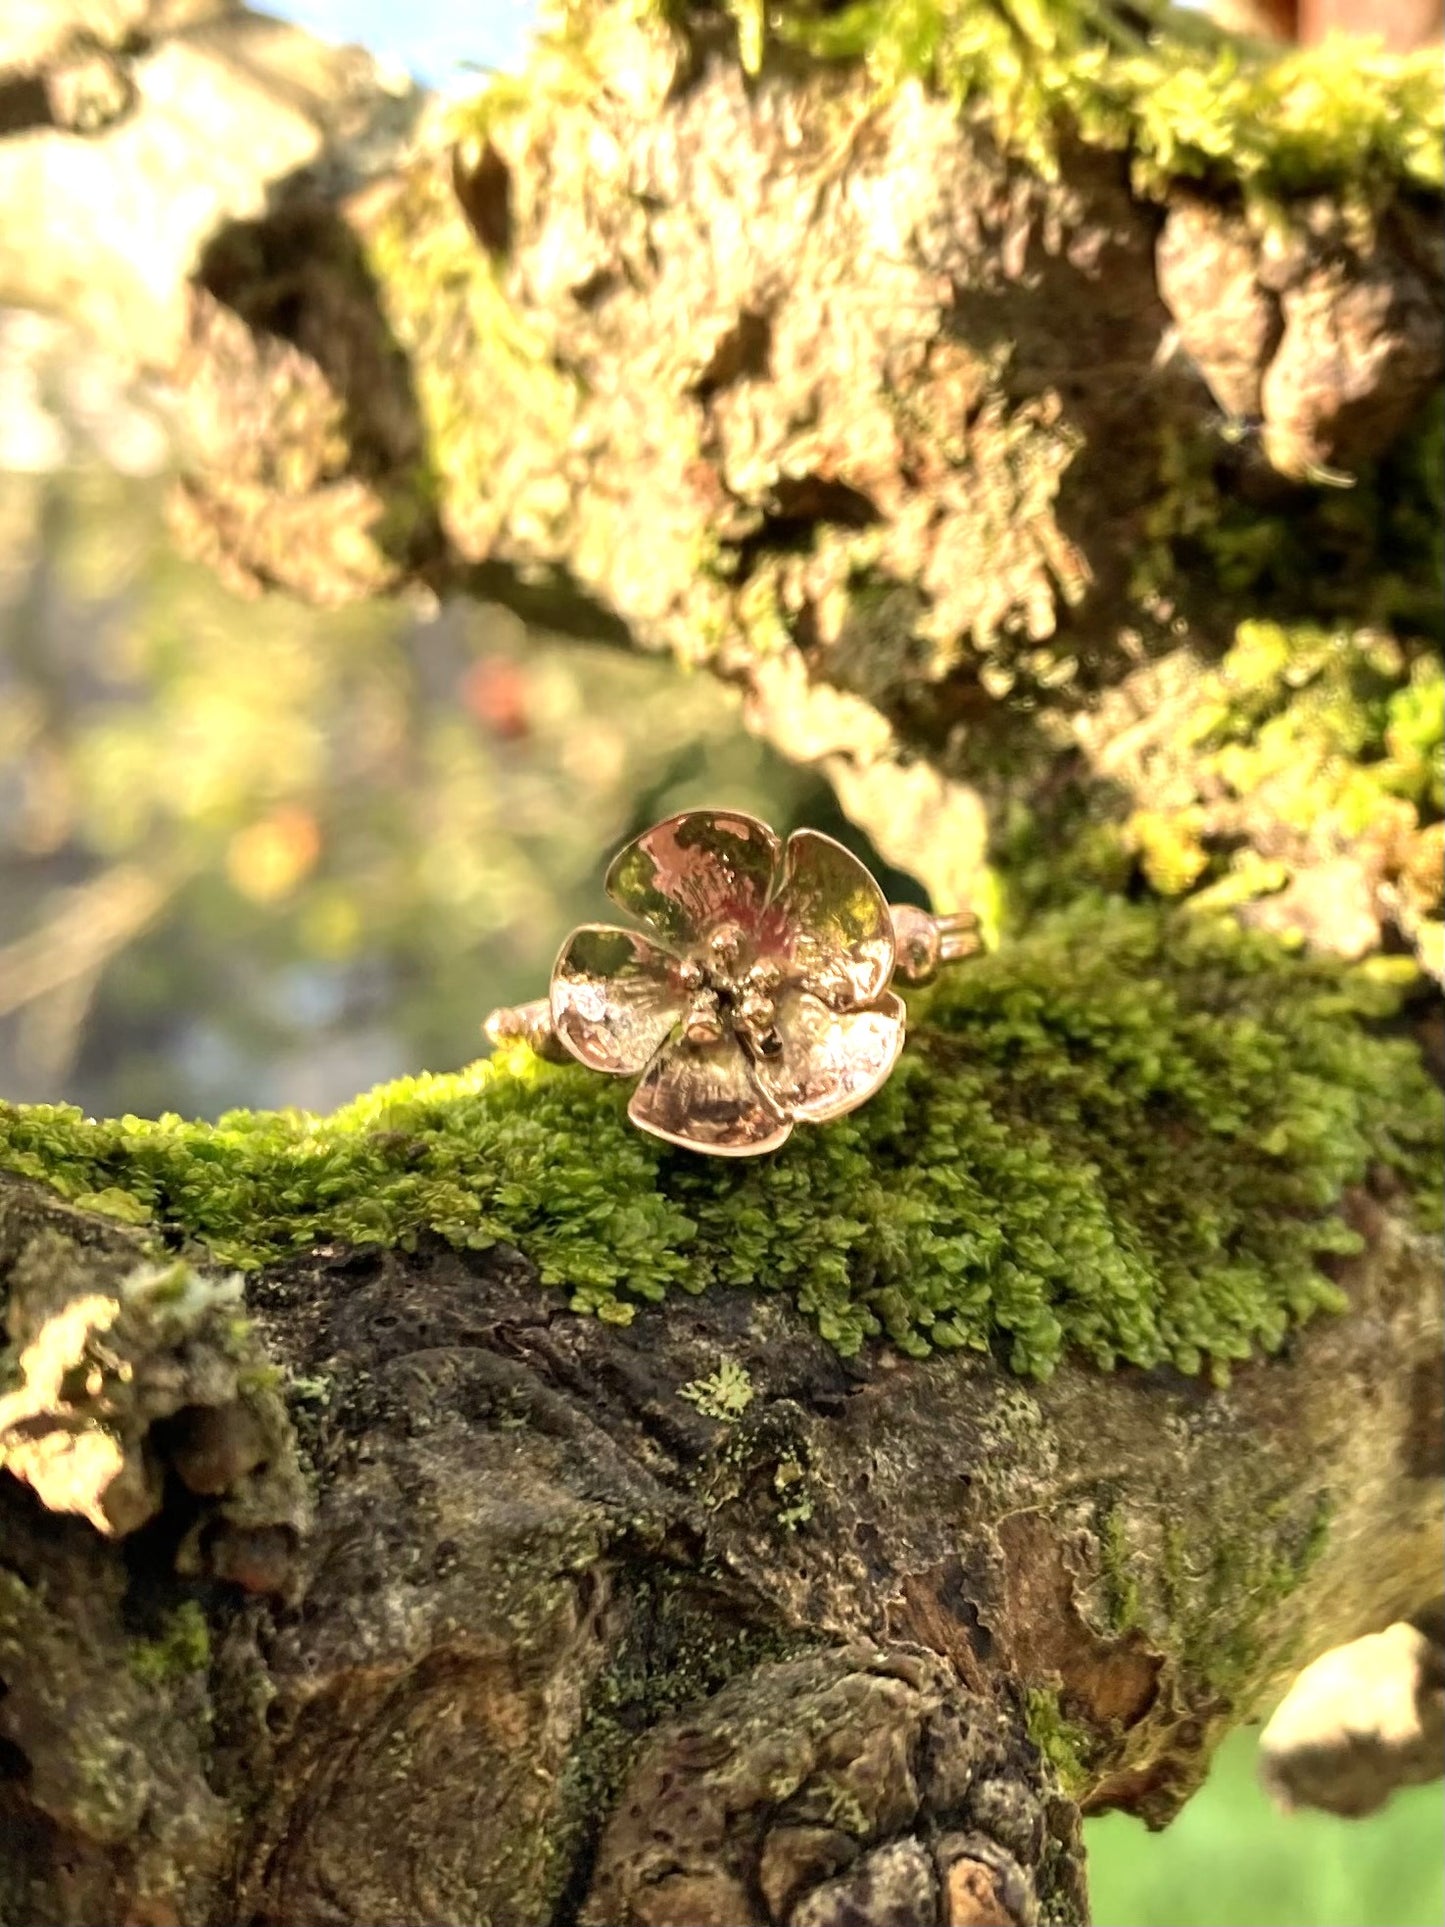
(809, 415)
(531, 1552)
(847, 1577)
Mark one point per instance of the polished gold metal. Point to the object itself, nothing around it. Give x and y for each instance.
(759, 996)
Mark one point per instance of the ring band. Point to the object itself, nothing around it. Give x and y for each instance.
(757, 996)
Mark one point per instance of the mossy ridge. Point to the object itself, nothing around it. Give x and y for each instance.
(1208, 1598)
(1341, 737)
(182, 1648)
(1220, 1618)
(1213, 1616)
(1185, 99)
(681, 1646)
(1312, 741)
(444, 300)
(1359, 711)
(1065, 1744)
(1029, 1178)
(1321, 715)
(1221, 1609)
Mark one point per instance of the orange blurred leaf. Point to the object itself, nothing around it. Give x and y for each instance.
(267, 859)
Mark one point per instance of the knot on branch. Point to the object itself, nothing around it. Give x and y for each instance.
(1329, 339)
(304, 440)
(859, 1785)
(120, 1372)
(1362, 1721)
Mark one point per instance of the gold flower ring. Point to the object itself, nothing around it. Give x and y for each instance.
(761, 997)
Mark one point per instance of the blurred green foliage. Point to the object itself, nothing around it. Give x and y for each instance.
(1230, 1857)
(251, 853)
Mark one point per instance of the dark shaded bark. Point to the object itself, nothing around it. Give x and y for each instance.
(504, 1626)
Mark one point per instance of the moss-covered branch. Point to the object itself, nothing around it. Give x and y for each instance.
(1154, 1145)
(1027, 1180)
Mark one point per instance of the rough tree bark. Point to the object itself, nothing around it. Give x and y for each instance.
(509, 1629)
(998, 448)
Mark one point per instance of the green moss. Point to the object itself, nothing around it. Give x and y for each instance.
(1030, 1177)
(1063, 1743)
(795, 1502)
(1337, 737)
(1208, 1606)
(1335, 724)
(1185, 99)
(1313, 741)
(680, 1647)
(1117, 1563)
(723, 1396)
(115, 1203)
(1171, 854)
(1220, 1611)
(1365, 556)
(184, 1647)
(485, 382)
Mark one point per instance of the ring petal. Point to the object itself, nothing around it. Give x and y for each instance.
(831, 1060)
(615, 998)
(831, 920)
(706, 1098)
(697, 870)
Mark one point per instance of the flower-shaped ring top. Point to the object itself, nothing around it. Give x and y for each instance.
(760, 997)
